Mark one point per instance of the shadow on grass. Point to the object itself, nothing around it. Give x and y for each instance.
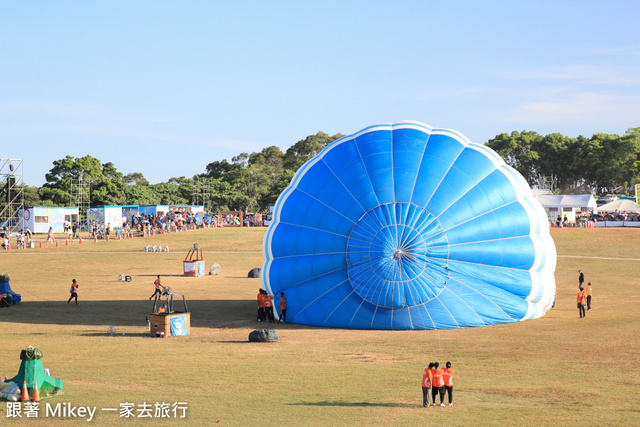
(361, 404)
(239, 314)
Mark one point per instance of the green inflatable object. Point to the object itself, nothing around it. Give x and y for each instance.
(32, 372)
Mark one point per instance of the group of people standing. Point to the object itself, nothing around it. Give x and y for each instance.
(437, 381)
(266, 306)
(584, 295)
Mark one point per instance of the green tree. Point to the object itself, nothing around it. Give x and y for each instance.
(169, 194)
(140, 195)
(302, 151)
(218, 169)
(135, 178)
(105, 181)
(518, 151)
(555, 157)
(108, 189)
(31, 196)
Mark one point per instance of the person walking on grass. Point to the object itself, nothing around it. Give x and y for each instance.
(447, 377)
(581, 279)
(587, 292)
(427, 378)
(158, 290)
(581, 300)
(73, 291)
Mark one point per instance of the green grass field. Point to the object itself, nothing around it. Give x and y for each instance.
(558, 370)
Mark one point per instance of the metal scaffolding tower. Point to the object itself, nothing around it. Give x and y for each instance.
(11, 194)
(200, 194)
(547, 184)
(80, 197)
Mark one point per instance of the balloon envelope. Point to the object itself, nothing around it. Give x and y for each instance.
(403, 226)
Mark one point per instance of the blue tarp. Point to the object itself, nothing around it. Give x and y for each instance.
(5, 288)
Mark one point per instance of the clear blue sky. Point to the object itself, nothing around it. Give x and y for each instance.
(166, 87)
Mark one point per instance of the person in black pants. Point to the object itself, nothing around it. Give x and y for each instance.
(448, 382)
(437, 386)
(581, 279)
(582, 298)
(73, 291)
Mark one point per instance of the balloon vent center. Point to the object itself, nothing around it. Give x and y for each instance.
(397, 256)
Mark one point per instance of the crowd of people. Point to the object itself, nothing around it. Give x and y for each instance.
(437, 381)
(23, 238)
(615, 216)
(266, 306)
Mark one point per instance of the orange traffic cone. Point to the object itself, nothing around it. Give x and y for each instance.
(67, 242)
(36, 393)
(57, 244)
(80, 241)
(41, 244)
(107, 236)
(95, 239)
(25, 392)
(8, 246)
(119, 237)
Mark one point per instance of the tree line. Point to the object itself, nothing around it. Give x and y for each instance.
(253, 182)
(595, 165)
(249, 183)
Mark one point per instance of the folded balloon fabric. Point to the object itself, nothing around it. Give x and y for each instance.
(404, 226)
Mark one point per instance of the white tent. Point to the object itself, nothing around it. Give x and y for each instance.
(566, 205)
(620, 205)
(586, 201)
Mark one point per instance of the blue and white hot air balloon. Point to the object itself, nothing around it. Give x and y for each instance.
(403, 226)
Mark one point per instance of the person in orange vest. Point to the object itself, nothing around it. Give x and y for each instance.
(581, 300)
(268, 307)
(158, 290)
(73, 291)
(587, 292)
(427, 379)
(261, 296)
(437, 387)
(161, 309)
(447, 377)
(283, 308)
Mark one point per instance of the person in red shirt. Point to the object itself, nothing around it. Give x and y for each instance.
(427, 378)
(158, 290)
(587, 292)
(73, 291)
(261, 297)
(283, 308)
(268, 307)
(581, 300)
(437, 387)
(447, 376)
